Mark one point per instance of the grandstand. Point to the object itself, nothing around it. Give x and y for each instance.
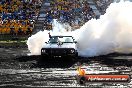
(103, 4)
(73, 12)
(23, 17)
(17, 17)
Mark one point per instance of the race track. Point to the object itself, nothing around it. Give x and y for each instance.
(17, 69)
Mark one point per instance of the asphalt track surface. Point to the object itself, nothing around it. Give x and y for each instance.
(18, 70)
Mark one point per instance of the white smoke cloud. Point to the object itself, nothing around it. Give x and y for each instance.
(37, 41)
(111, 33)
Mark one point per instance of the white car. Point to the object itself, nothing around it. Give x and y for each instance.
(60, 46)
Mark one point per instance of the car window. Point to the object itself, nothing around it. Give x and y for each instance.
(53, 40)
(64, 39)
(68, 40)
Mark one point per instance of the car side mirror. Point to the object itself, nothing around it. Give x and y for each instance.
(46, 42)
(75, 41)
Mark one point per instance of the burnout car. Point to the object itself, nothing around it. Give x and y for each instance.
(60, 46)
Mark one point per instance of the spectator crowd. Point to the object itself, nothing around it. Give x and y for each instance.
(17, 16)
(103, 4)
(73, 12)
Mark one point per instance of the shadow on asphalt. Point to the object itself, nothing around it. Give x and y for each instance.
(48, 62)
(113, 60)
(68, 62)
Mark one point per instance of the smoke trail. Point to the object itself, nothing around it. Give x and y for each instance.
(111, 33)
(36, 42)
